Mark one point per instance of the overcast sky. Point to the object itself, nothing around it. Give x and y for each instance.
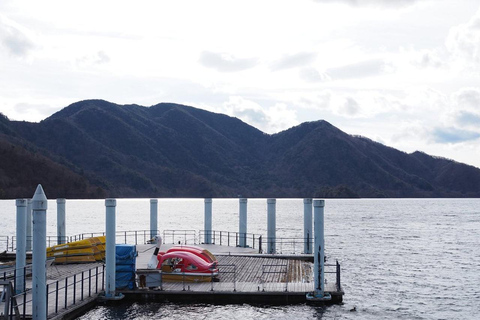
(405, 73)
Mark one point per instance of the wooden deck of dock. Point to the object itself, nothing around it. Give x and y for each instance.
(245, 277)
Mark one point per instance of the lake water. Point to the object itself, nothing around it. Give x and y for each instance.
(400, 258)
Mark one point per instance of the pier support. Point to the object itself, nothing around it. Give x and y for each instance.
(39, 256)
(208, 221)
(153, 217)
(307, 226)
(242, 225)
(110, 262)
(29, 225)
(61, 233)
(319, 254)
(271, 226)
(20, 261)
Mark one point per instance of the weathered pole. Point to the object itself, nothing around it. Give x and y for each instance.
(271, 225)
(39, 256)
(242, 226)
(61, 233)
(153, 217)
(208, 221)
(307, 225)
(29, 225)
(319, 253)
(20, 261)
(110, 262)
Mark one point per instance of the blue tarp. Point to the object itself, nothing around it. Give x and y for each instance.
(125, 256)
(125, 253)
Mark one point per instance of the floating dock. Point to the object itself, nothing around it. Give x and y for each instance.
(245, 277)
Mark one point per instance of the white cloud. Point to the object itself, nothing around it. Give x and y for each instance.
(14, 38)
(225, 62)
(270, 120)
(463, 41)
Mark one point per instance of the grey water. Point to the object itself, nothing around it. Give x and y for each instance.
(400, 258)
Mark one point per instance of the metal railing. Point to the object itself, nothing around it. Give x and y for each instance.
(64, 293)
(286, 245)
(180, 236)
(230, 239)
(130, 236)
(274, 269)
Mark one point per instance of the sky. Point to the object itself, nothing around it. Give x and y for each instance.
(405, 73)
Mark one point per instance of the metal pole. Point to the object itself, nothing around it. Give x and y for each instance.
(29, 225)
(208, 221)
(307, 225)
(319, 257)
(20, 261)
(39, 277)
(271, 227)
(110, 205)
(153, 217)
(242, 227)
(61, 234)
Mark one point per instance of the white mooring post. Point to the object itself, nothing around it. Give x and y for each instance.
(61, 233)
(110, 262)
(242, 226)
(307, 225)
(29, 225)
(208, 221)
(39, 255)
(319, 253)
(20, 261)
(153, 217)
(271, 226)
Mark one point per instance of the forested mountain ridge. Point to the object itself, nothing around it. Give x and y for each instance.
(171, 150)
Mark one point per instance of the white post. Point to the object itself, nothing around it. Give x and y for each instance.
(208, 221)
(29, 225)
(271, 226)
(61, 234)
(153, 217)
(20, 261)
(39, 256)
(319, 257)
(307, 225)
(242, 226)
(110, 262)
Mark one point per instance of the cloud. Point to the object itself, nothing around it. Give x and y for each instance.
(463, 41)
(453, 135)
(97, 58)
(13, 39)
(465, 118)
(270, 120)
(225, 63)
(361, 69)
(468, 98)
(427, 59)
(296, 60)
(313, 75)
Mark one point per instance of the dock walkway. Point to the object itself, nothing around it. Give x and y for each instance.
(245, 277)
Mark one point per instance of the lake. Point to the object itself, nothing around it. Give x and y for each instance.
(400, 258)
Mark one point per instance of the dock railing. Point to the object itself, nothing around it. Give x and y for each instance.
(229, 238)
(61, 294)
(180, 237)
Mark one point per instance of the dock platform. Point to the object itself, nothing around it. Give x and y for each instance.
(245, 277)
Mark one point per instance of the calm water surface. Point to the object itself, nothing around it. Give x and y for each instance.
(401, 258)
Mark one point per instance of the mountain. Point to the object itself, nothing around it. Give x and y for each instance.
(172, 150)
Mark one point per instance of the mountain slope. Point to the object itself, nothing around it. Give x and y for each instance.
(172, 150)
